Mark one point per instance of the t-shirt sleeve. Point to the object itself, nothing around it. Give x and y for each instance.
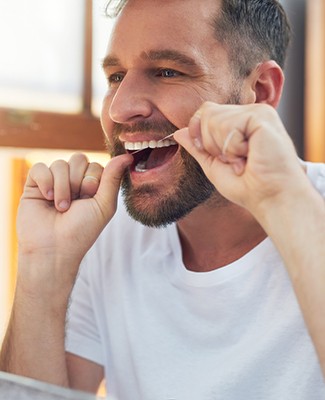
(82, 333)
(316, 173)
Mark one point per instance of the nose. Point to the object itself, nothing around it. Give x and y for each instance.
(132, 99)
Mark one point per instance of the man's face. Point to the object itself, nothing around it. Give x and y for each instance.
(162, 64)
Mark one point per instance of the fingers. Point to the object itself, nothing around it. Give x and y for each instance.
(107, 192)
(235, 144)
(84, 176)
(91, 180)
(39, 183)
(61, 184)
(212, 130)
(51, 184)
(78, 165)
(64, 182)
(211, 134)
(192, 144)
(223, 131)
(76, 179)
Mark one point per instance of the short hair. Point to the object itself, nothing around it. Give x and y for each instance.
(252, 31)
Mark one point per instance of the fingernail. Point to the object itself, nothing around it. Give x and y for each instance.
(50, 194)
(64, 205)
(198, 143)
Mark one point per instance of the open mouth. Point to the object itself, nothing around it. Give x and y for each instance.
(149, 155)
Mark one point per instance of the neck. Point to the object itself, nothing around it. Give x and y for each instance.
(213, 236)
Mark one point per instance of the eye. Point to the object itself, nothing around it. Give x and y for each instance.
(168, 73)
(115, 79)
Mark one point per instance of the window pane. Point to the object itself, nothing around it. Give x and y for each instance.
(102, 27)
(41, 44)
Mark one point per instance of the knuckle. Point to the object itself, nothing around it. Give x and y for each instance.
(79, 158)
(59, 164)
(94, 168)
(38, 166)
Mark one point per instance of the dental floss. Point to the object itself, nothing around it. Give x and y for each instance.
(160, 140)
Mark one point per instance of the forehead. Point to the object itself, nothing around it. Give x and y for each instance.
(152, 24)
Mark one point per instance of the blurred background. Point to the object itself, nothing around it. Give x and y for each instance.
(51, 86)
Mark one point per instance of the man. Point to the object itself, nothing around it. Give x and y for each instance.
(203, 307)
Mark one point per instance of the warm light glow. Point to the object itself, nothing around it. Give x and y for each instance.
(48, 156)
(4, 240)
(315, 82)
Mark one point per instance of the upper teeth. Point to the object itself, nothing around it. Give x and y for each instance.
(152, 144)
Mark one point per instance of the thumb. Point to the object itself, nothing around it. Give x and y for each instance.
(185, 139)
(109, 186)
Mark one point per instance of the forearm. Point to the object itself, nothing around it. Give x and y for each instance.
(34, 343)
(296, 224)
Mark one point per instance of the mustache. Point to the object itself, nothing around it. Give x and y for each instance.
(164, 127)
(115, 147)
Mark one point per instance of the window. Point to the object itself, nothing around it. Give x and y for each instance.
(51, 84)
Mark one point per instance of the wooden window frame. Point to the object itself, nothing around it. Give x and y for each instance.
(53, 130)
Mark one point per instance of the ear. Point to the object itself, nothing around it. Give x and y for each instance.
(266, 83)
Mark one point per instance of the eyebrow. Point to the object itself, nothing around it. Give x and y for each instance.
(155, 55)
(169, 55)
(110, 61)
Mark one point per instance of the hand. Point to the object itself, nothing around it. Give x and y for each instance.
(245, 152)
(64, 207)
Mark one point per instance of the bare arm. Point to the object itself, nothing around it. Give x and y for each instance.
(296, 224)
(258, 169)
(62, 211)
(84, 374)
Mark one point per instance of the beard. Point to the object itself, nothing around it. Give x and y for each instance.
(191, 187)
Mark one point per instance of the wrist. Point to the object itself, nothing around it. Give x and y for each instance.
(46, 279)
(288, 206)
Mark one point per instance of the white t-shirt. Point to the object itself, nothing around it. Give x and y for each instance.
(163, 332)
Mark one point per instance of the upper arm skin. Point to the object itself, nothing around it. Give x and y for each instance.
(84, 374)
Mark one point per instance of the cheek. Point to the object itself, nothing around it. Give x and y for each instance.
(178, 108)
